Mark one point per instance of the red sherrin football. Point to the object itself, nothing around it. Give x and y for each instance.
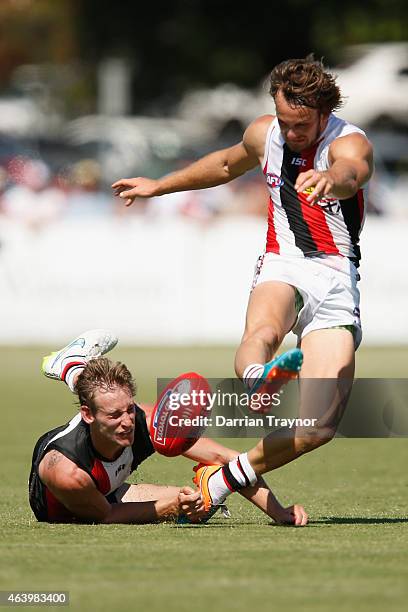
(170, 434)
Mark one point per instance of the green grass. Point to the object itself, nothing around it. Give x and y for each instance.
(353, 555)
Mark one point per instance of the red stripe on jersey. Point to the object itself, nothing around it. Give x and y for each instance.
(314, 215)
(56, 511)
(360, 199)
(316, 221)
(272, 244)
(101, 477)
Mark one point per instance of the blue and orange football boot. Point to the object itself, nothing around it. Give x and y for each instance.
(278, 372)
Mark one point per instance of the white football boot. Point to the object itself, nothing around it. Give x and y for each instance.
(89, 345)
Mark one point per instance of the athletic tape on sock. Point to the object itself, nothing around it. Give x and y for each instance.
(218, 487)
(247, 468)
(239, 473)
(233, 477)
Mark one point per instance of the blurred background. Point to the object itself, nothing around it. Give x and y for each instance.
(95, 90)
(91, 92)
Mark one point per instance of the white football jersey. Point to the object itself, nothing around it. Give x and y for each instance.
(296, 228)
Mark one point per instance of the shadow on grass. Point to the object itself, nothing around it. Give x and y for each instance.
(210, 525)
(357, 520)
(325, 520)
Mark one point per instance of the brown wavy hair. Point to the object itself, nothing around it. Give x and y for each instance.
(304, 82)
(102, 374)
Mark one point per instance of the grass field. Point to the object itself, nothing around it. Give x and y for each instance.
(352, 556)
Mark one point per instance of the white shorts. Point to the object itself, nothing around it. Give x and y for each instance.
(327, 284)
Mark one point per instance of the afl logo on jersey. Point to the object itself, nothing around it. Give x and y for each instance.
(274, 180)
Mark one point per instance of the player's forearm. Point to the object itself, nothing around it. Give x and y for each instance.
(345, 180)
(208, 451)
(263, 498)
(209, 171)
(143, 512)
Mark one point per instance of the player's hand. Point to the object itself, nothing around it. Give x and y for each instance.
(191, 504)
(139, 187)
(321, 184)
(294, 515)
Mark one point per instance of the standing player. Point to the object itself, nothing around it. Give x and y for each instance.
(316, 167)
(79, 470)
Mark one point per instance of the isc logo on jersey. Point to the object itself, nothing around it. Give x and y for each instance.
(299, 161)
(274, 180)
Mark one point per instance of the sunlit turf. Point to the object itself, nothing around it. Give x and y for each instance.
(353, 555)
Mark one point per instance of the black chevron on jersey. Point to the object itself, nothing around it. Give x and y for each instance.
(349, 209)
(292, 205)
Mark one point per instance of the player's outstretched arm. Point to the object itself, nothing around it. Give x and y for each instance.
(351, 166)
(214, 169)
(264, 499)
(76, 490)
(187, 502)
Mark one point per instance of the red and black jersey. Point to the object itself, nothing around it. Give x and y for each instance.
(296, 228)
(74, 441)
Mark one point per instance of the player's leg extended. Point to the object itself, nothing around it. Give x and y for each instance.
(325, 383)
(270, 315)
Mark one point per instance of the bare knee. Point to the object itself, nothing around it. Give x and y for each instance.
(258, 345)
(264, 334)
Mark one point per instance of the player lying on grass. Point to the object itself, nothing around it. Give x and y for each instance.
(79, 470)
